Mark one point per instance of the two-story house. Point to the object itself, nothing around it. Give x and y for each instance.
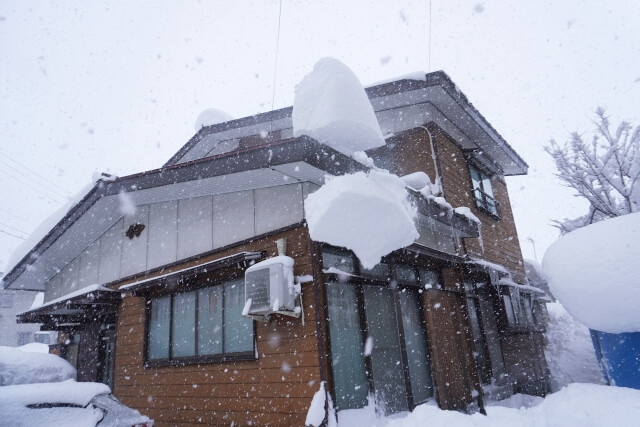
(145, 277)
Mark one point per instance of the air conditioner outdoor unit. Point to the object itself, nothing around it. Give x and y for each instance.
(269, 288)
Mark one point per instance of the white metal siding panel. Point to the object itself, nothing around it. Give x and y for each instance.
(89, 265)
(163, 234)
(134, 251)
(195, 226)
(277, 207)
(233, 218)
(110, 251)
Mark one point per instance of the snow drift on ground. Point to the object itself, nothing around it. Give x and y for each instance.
(210, 117)
(15, 398)
(579, 405)
(331, 106)
(593, 272)
(35, 347)
(366, 212)
(26, 367)
(569, 350)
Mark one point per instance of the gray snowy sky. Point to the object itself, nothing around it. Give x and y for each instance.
(116, 86)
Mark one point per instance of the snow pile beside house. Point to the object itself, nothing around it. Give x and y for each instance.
(569, 350)
(25, 367)
(14, 400)
(575, 405)
(368, 213)
(593, 271)
(331, 106)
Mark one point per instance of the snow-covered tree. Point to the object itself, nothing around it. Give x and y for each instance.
(605, 171)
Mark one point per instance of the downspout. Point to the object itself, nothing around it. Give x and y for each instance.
(434, 157)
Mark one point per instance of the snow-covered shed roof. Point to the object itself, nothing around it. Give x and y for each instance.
(399, 105)
(294, 160)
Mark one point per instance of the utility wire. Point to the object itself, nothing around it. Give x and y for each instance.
(17, 230)
(33, 188)
(43, 182)
(275, 66)
(65, 192)
(12, 235)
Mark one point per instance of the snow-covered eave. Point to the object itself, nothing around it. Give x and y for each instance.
(80, 292)
(508, 282)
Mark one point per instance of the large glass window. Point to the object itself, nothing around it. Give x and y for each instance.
(483, 191)
(204, 323)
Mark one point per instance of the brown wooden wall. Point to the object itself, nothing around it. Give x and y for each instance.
(412, 153)
(276, 389)
(524, 360)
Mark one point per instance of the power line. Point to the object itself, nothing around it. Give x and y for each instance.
(65, 192)
(14, 229)
(33, 188)
(12, 235)
(275, 67)
(46, 186)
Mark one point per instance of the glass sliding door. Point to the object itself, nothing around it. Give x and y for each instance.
(386, 356)
(415, 341)
(349, 370)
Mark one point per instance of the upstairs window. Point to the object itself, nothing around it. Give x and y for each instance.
(482, 191)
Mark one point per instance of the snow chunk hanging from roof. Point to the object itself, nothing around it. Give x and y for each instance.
(593, 271)
(210, 117)
(331, 106)
(367, 213)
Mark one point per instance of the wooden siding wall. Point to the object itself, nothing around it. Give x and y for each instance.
(451, 346)
(500, 239)
(412, 153)
(276, 389)
(524, 360)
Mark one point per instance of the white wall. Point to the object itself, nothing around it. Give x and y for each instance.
(177, 230)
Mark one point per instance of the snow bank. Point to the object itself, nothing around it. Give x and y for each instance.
(593, 271)
(26, 367)
(210, 117)
(34, 347)
(15, 398)
(367, 213)
(331, 106)
(569, 350)
(575, 405)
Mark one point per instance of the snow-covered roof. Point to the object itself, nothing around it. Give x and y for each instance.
(399, 105)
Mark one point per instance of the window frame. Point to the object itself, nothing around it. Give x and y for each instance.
(360, 279)
(194, 286)
(484, 198)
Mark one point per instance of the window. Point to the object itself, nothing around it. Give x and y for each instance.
(519, 308)
(396, 370)
(482, 191)
(204, 324)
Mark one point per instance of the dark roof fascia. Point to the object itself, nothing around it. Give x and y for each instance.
(171, 281)
(436, 78)
(94, 303)
(277, 153)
